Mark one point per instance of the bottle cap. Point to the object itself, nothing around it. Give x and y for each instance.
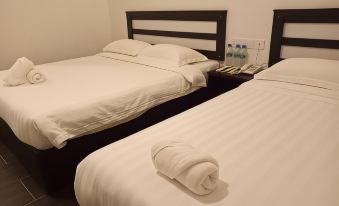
(238, 45)
(243, 46)
(229, 45)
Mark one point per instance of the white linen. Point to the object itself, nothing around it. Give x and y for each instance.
(174, 55)
(126, 46)
(322, 73)
(17, 73)
(178, 160)
(192, 73)
(276, 144)
(85, 95)
(205, 66)
(35, 76)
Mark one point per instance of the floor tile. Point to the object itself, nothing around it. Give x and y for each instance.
(18, 169)
(14, 194)
(2, 146)
(12, 163)
(5, 152)
(17, 188)
(33, 187)
(7, 176)
(50, 201)
(9, 157)
(64, 197)
(2, 163)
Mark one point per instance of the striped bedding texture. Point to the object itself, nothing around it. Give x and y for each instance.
(277, 144)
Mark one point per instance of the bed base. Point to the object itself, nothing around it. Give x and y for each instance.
(55, 168)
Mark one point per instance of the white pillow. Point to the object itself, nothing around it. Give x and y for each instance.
(173, 54)
(308, 71)
(129, 47)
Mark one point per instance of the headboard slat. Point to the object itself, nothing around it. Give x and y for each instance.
(300, 16)
(315, 43)
(277, 33)
(177, 15)
(311, 19)
(218, 16)
(307, 14)
(192, 35)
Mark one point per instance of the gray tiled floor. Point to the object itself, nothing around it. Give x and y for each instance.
(17, 188)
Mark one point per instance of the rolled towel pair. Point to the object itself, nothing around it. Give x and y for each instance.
(21, 72)
(197, 171)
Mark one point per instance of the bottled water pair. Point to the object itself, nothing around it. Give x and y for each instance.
(236, 57)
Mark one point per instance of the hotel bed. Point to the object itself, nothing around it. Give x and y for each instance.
(92, 93)
(89, 102)
(276, 139)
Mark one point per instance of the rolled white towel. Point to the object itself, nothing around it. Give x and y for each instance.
(35, 76)
(197, 171)
(17, 73)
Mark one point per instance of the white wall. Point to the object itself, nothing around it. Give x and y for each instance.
(245, 18)
(50, 30)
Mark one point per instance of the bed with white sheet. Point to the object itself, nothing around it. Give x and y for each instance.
(93, 93)
(276, 139)
(89, 102)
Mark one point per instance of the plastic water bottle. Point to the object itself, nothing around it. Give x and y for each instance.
(243, 55)
(229, 55)
(236, 56)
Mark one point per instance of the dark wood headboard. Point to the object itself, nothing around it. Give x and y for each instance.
(300, 16)
(204, 16)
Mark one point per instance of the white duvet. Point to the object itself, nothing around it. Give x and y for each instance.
(277, 144)
(88, 94)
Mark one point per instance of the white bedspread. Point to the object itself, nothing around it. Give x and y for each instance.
(88, 94)
(277, 144)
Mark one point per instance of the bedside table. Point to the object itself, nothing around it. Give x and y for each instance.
(220, 82)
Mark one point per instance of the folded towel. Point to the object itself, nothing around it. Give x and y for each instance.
(35, 76)
(197, 171)
(17, 73)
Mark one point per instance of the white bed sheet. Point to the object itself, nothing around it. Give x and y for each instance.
(277, 144)
(88, 94)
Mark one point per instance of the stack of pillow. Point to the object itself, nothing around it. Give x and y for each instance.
(173, 55)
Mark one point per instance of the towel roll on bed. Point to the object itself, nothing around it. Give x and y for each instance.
(197, 171)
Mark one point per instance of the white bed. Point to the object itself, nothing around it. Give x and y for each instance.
(93, 93)
(277, 143)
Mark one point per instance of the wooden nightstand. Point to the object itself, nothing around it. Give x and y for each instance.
(219, 82)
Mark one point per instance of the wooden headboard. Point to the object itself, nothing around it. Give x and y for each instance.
(204, 16)
(300, 16)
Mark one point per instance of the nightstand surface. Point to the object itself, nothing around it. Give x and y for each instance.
(219, 82)
(236, 77)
